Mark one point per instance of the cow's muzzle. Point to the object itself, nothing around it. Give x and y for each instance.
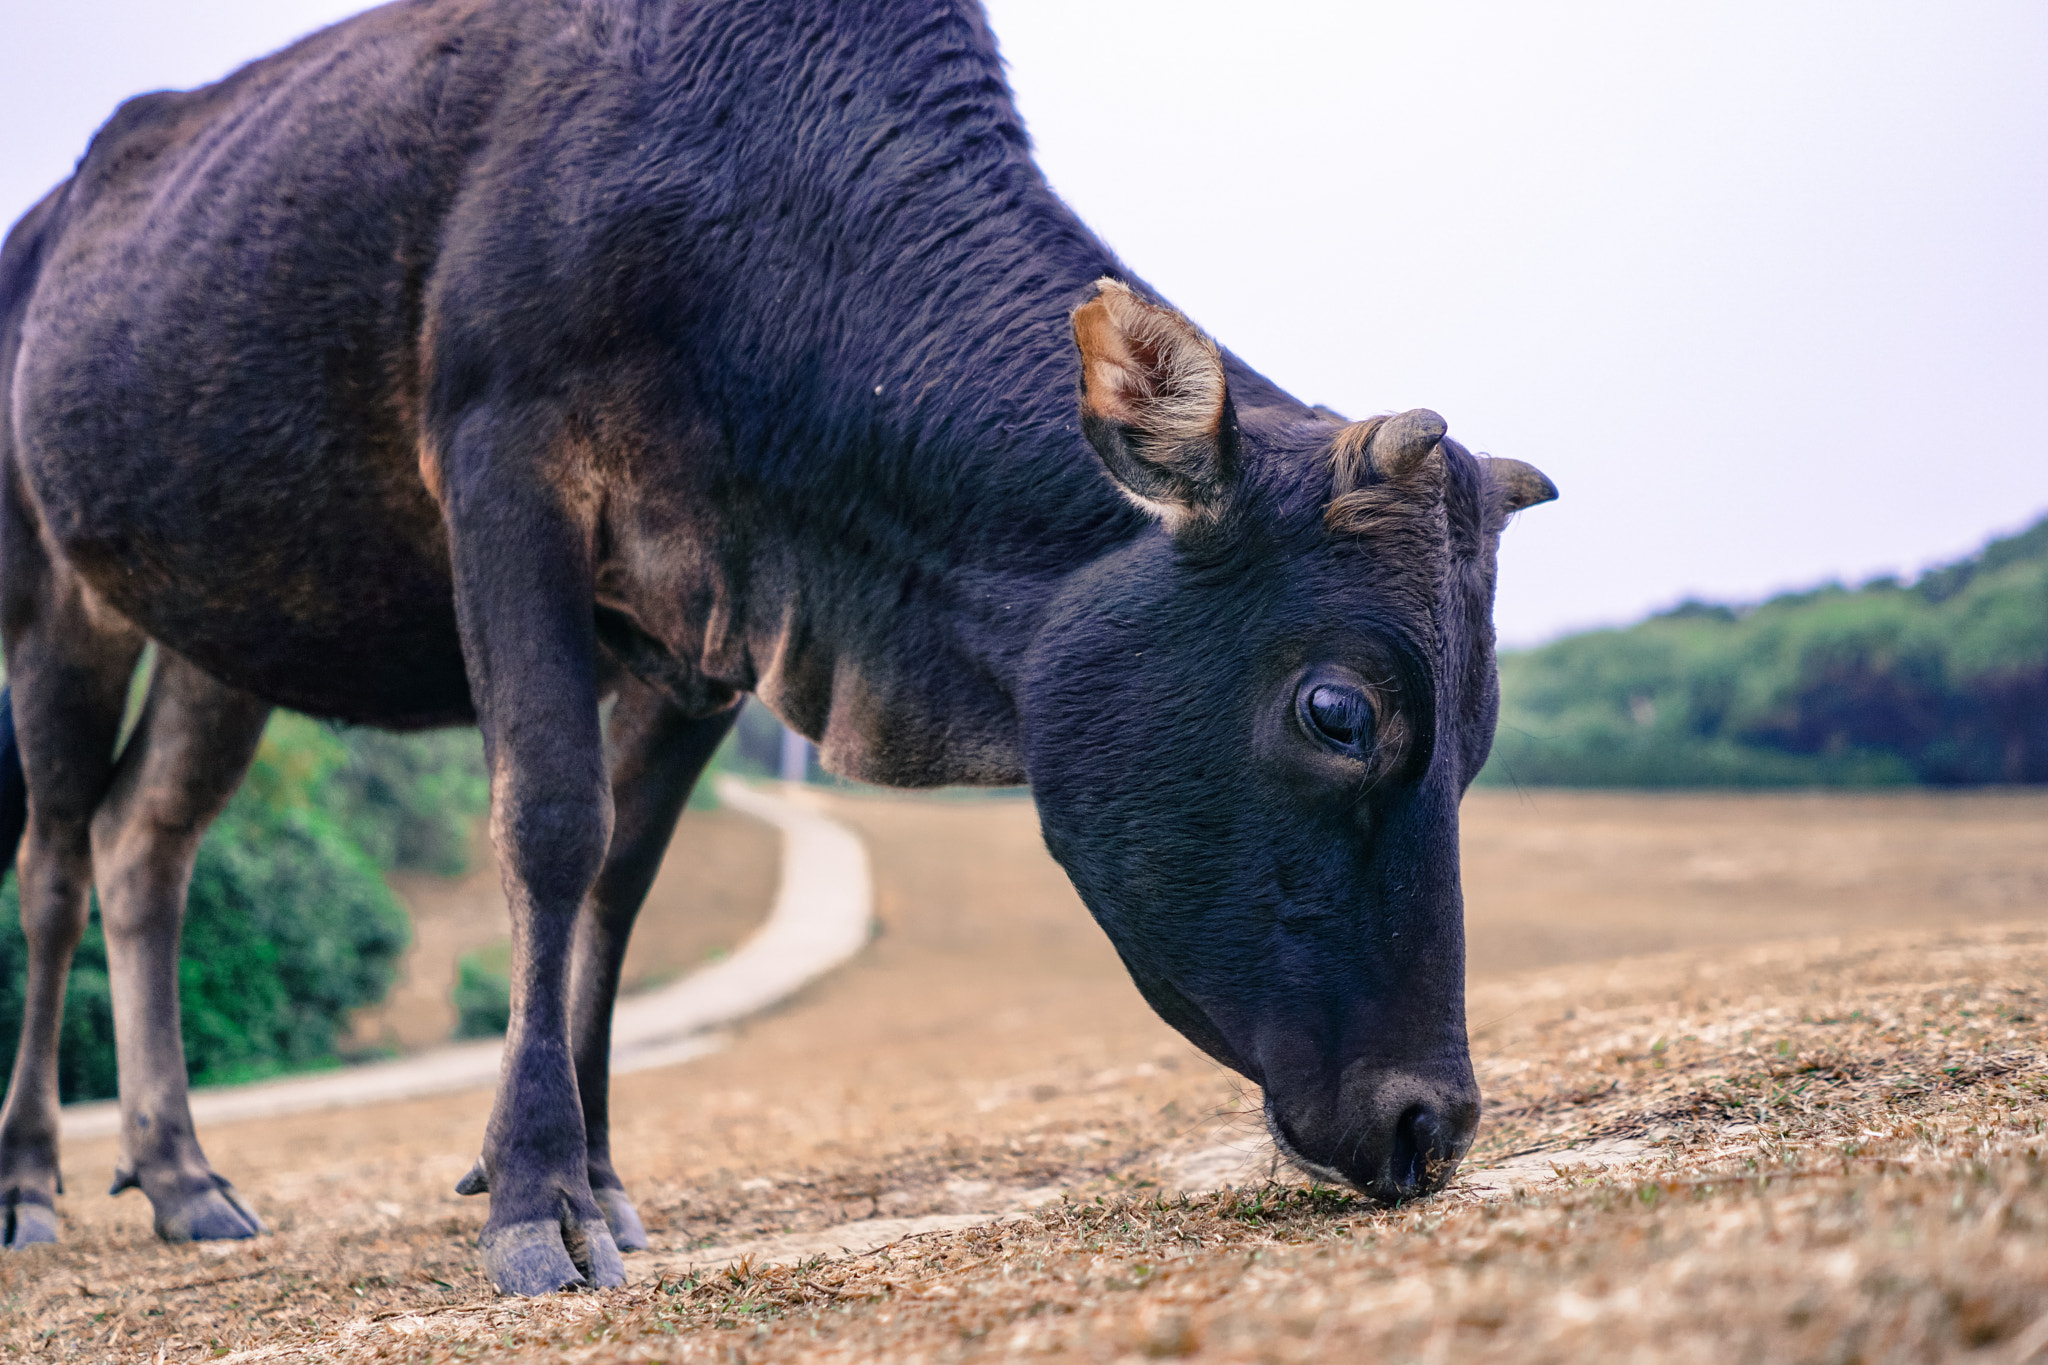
(1393, 1135)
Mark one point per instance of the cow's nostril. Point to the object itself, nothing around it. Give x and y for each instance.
(1418, 1146)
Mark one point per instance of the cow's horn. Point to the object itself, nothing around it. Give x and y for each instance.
(1404, 441)
(1522, 485)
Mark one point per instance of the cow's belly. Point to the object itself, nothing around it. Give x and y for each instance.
(313, 593)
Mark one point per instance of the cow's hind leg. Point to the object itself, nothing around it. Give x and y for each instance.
(187, 756)
(657, 754)
(69, 666)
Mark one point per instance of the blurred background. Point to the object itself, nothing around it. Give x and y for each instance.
(1760, 285)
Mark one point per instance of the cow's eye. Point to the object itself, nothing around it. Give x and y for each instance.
(1338, 714)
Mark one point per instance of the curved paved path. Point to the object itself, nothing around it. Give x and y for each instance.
(822, 915)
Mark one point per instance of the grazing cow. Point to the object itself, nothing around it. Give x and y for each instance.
(474, 360)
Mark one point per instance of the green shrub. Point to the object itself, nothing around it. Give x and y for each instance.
(412, 800)
(289, 926)
(483, 991)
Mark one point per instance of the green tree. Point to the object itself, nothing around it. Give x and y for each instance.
(1942, 682)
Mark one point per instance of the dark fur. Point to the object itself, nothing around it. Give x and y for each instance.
(475, 358)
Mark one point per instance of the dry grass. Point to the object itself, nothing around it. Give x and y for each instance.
(1840, 1160)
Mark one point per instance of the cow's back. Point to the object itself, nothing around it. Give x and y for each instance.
(218, 366)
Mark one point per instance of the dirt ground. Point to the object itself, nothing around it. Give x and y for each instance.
(1557, 877)
(1808, 1031)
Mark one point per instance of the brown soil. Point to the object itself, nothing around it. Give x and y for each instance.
(1836, 1075)
(1573, 876)
(712, 889)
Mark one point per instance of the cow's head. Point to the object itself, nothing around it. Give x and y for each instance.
(1248, 733)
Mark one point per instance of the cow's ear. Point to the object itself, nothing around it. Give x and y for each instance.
(1154, 404)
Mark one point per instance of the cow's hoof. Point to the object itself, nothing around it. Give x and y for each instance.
(622, 1218)
(30, 1222)
(547, 1254)
(206, 1213)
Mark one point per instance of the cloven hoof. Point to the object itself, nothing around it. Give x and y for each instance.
(29, 1222)
(215, 1214)
(546, 1254)
(622, 1218)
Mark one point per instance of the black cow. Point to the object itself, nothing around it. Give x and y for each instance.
(479, 359)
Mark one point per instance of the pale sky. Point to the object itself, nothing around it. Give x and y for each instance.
(1763, 286)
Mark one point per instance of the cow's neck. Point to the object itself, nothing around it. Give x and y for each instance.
(907, 543)
(903, 483)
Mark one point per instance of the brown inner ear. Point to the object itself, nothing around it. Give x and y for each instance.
(1154, 403)
(1148, 368)
(1106, 363)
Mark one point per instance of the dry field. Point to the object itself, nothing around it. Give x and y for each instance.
(1766, 1080)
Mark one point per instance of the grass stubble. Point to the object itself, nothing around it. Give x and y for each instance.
(1839, 1158)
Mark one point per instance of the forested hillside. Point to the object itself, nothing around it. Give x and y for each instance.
(1941, 681)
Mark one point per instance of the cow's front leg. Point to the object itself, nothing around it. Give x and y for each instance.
(523, 596)
(658, 751)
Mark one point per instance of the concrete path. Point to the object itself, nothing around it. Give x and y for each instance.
(822, 916)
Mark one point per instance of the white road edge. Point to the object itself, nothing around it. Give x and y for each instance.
(823, 914)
